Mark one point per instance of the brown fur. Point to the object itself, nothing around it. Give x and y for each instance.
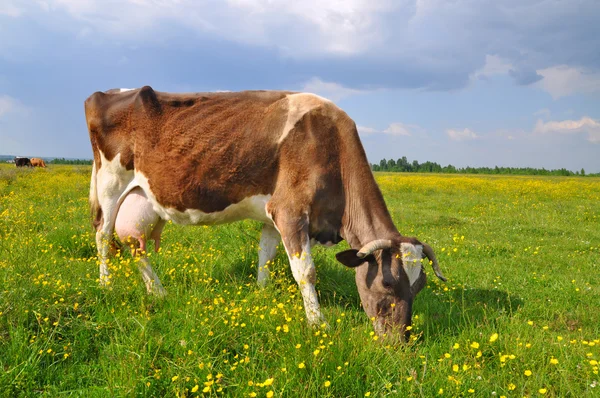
(206, 151)
(37, 162)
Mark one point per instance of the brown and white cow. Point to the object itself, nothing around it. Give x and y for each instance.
(293, 161)
(37, 162)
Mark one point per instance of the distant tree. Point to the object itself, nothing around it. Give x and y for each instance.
(399, 165)
(391, 165)
(403, 165)
(383, 164)
(70, 161)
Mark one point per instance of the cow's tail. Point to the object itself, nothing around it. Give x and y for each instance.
(95, 209)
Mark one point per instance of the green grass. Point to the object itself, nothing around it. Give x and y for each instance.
(522, 255)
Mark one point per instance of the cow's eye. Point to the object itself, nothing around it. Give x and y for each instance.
(387, 285)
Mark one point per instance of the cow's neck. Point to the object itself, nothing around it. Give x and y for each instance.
(366, 216)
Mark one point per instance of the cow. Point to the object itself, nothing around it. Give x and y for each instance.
(21, 161)
(293, 161)
(37, 162)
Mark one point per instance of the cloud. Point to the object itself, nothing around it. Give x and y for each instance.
(524, 76)
(543, 113)
(461, 135)
(363, 130)
(9, 105)
(342, 26)
(8, 8)
(394, 129)
(424, 44)
(399, 129)
(562, 80)
(494, 65)
(583, 125)
(333, 27)
(329, 90)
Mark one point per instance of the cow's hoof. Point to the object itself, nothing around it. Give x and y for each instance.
(263, 282)
(318, 322)
(157, 291)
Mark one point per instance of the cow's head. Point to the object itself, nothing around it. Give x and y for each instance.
(389, 274)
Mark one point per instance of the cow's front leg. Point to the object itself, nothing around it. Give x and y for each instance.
(305, 275)
(294, 233)
(267, 249)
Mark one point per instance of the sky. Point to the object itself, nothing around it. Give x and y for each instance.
(463, 82)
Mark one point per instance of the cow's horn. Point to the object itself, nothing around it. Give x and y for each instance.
(428, 252)
(370, 247)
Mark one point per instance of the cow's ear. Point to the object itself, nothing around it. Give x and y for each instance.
(350, 259)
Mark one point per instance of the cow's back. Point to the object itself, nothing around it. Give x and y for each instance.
(200, 151)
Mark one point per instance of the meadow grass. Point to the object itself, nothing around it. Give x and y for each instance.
(519, 316)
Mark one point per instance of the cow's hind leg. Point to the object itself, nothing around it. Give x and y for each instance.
(107, 189)
(294, 234)
(104, 241)
(267, 249)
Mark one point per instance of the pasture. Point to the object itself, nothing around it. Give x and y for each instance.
(519, 316)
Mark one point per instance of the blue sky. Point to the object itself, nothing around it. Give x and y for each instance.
(462, 82)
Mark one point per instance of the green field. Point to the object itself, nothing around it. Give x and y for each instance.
(520, 315)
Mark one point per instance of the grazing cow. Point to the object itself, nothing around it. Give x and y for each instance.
(293, 161)
(37, 162)
(21, 162)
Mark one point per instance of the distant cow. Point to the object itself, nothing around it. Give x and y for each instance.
(20, 162)
(37, 162)
(293, 161)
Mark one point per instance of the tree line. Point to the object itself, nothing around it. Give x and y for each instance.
(70, 161)
(403, 165)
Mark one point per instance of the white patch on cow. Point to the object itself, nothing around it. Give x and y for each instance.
(124, 90)
(298, 105)
(253, 207)
(112, 175)
(411, 260)
(113, 181)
